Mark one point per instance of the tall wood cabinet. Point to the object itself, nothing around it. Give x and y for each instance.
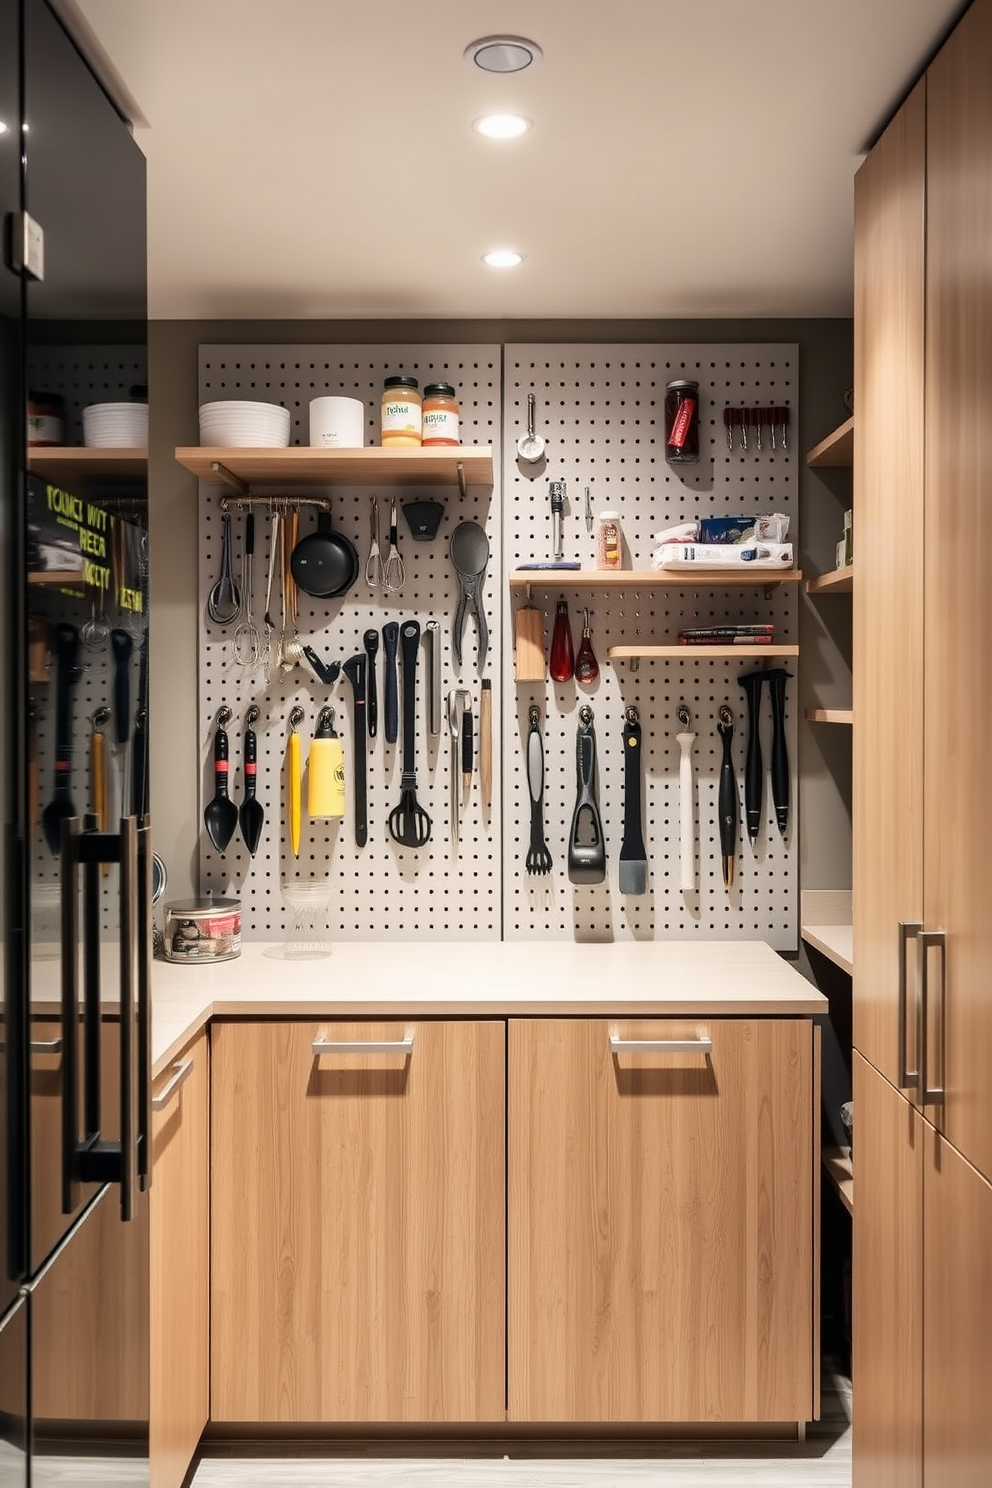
(922, 809)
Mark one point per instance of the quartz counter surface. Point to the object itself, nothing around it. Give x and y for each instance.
(386, 979)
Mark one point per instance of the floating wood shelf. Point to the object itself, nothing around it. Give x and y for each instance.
(836, 450)
(839, 1169)
(238, 469)
(697, 653)
(837, 581)
(74, 466)
(830, 715)
(527, 579)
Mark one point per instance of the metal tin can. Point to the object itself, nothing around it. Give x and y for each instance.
(199, 930)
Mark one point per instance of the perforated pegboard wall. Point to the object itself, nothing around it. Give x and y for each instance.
(381, 889)
(84, 375)
(600, 408)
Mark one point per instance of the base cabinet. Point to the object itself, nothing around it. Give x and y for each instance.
(660, 1220)
(922, 1300)
(179, 1241)
(358, 1222)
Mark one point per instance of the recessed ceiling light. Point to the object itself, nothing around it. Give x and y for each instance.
(501, 126)
(503, 53)
(502, 258)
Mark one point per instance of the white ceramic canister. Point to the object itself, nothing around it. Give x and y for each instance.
(337, 423)
(198, 930)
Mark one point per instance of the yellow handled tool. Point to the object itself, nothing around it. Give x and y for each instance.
(295, 781)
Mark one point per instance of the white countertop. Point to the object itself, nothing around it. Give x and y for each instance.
(482, 978)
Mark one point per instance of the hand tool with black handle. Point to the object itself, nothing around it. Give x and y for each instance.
(539, 854)
(390, 641)
(586, 846)
(486, 742)
(777, 678)
(468, 745)
(220, 816)
(754, 770)
(121, 646)
(409, 823)
(633, 867)
(432, 646)
(355, 670)
(687, 837)
(251, 813)
(371, 643)
(66, 649)
(469, 553)
(727, 805)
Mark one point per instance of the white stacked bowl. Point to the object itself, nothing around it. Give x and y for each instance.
(236, 425)
(116, 426)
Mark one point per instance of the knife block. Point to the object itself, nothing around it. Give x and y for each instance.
(528, 644)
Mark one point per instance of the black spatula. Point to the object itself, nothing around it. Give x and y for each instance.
(251, 814)
(66, 648)
(633, 858)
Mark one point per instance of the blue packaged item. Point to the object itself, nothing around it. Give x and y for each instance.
(731, 530)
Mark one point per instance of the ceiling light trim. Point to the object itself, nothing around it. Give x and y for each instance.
(502, 54)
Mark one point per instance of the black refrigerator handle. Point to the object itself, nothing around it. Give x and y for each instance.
(71, 832)
(144, 1042)
(129, 889)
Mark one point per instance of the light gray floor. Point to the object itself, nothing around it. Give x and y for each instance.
(822, 1461)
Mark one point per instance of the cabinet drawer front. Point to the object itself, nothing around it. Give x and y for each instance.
(358, 1222)
(660, 1220)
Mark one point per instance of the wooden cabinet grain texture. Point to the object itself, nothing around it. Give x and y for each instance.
(888, 598)
(660, 1256)
(357, 1224)
(179, 1243)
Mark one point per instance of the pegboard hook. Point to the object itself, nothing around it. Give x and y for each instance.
(296, 717)
(223, 716)
(252, 716)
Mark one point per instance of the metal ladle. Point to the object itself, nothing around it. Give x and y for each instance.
(530, 448)
(224, 599)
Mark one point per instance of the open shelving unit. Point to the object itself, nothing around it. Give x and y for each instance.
(830, 715)
(523, 580)
(837, 581)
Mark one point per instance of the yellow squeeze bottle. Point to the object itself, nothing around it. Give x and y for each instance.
(326, 769)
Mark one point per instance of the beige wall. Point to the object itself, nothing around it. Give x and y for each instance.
(825, 357)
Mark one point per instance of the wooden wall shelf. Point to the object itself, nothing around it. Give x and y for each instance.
(238, 469)
(836, 451)
(839, 1170)
(697, 653)
(837, 581)
(526, 579)
(830, 715)
(74, 465)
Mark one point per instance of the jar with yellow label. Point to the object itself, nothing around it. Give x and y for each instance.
(402, 408)
(441, 414)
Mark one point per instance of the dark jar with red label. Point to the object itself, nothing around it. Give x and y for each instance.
(682, 422)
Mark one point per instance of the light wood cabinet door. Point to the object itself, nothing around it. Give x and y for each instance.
(887, 1364)
(958, 532)
(358, 1223)
(957, 1341)
(889, 288)
(180, 1250)
(660, 1222)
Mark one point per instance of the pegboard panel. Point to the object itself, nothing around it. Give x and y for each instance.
(440, 891)
(601, 411)
(84, 375)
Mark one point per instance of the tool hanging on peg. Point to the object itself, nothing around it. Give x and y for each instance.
(295, 782)
(590, 521)
(325, 769)
(356, 671)
(251, 815)
(556, 493)
(727, 804)
(633, 866)
(687, 834)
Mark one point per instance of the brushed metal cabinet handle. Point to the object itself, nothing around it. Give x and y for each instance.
(46, 1046)
(181, 1073)
(930, 1095)
(908, 930)
(660, 1046)
(321, 1045)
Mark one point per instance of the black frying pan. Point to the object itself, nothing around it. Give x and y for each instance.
(324, 563)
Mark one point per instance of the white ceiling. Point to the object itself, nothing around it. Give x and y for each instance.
(315, 158)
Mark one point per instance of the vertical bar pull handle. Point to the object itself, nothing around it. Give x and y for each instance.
(144, 1041)
(128, 979)
(908, 930)
(926, 1094)
(71, 829)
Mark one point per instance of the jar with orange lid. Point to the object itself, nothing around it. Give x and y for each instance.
(441, 414)
(401, 412)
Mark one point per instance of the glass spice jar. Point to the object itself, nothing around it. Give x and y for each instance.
(682, 422)
(401, 412)
(441, 414)
(46, 419)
